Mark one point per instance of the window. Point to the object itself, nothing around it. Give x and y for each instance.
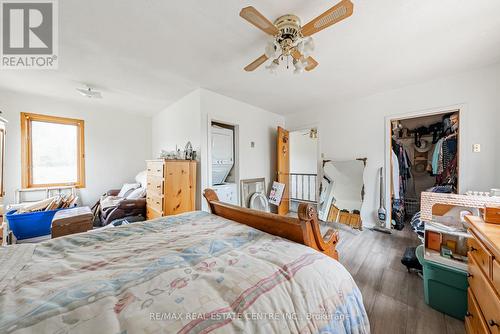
(52, 151)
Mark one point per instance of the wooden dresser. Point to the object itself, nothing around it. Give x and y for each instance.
(483, 314)
(171, 187)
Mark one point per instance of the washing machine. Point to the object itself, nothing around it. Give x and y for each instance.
(222, 154)
(227, 192)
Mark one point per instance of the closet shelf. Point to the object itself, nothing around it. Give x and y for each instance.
(413, 137)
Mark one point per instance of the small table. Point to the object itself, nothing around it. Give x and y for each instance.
(71, 221)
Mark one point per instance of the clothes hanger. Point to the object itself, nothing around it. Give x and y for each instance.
(451, 135)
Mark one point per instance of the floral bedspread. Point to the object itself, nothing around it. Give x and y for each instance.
(192, 273)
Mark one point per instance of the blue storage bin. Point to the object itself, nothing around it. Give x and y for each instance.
(31, 224)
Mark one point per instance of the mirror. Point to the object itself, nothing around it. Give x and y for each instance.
(342, 192)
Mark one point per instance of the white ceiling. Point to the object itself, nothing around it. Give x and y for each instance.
(146, 54)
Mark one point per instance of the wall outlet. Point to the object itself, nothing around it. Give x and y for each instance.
(252, 144)
(476, 148)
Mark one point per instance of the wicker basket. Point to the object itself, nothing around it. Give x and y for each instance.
(412, 206)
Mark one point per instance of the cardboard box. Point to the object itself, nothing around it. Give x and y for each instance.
(492, 214)
(433, 240)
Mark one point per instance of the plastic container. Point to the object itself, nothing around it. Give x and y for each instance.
(30, 225)
(445, 288)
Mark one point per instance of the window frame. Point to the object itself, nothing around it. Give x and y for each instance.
(26, 149)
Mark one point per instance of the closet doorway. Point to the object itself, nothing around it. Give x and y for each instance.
(424, 156)
(223, 160)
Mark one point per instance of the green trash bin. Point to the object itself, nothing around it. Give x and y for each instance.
(445, 288)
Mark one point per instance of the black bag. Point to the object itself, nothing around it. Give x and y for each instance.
(410, 260)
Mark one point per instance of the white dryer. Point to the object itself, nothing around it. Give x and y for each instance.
(222, 153)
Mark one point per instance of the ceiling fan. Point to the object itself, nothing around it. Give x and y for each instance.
(290, 39)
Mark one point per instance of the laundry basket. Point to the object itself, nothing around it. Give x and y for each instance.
(412, 206)
(31, 224)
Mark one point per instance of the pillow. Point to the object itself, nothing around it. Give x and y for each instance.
(141, 178)
(127, 189)
(137, 193)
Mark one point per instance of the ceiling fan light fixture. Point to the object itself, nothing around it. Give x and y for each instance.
(299, 65)
(273, 67)
(90, 93)
(298, 71)
(309, 47)
(273, 50)
(291, 39)
(300, 47)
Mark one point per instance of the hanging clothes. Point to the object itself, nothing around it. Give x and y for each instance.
(395, 176)
(404, 164)
(436, 156)
(445, 161)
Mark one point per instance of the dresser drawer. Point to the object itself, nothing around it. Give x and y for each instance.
(468, 327)
(155, 202)
(152, 213)
(155, 168)
(480, 254)
(496, 275)
(474, 317)
(154, 185)
(488, 301)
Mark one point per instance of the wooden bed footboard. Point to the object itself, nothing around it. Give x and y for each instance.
(304, 230)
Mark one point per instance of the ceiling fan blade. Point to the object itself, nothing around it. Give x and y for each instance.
(337, 13)
(311, 63)
(296, 54)
(256, 63)
(253, 16)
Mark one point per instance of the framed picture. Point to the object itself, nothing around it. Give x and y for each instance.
(276, 193)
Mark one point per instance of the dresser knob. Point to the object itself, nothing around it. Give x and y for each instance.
(468, 314)
(470, 275)
(493, 323)
(472, 249)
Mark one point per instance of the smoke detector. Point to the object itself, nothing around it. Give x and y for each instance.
(90, 93)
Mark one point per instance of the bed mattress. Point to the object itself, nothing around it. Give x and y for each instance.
(192, 273)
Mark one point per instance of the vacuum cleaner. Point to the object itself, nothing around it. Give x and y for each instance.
(382, 212)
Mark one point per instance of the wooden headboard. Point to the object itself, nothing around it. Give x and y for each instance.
(304, 230)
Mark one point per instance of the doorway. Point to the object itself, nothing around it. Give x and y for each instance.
(223, 161)
(424, 155)
(298, 156)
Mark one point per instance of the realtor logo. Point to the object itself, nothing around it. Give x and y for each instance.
(29, 37)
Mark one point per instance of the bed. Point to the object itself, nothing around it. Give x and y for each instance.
(192, 273)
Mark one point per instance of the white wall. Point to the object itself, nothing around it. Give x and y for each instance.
(177, 124)
(355, 129)
(116, 143)
(190, 117)
(303, 153)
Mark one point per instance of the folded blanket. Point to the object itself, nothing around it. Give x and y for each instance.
(110, 201)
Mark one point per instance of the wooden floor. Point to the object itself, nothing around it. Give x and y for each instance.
(394, 298)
